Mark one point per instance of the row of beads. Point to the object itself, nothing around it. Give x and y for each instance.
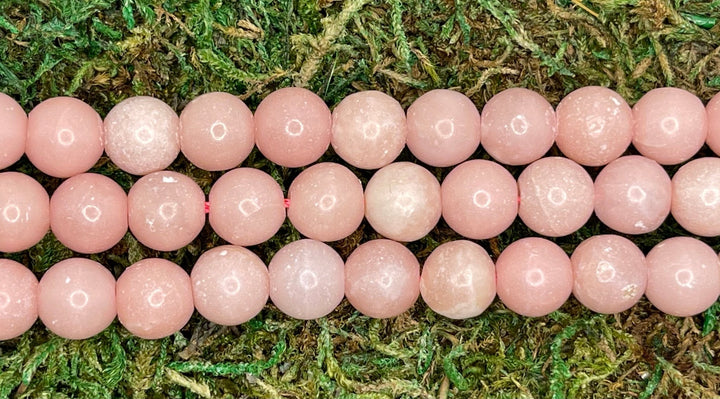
(78, 298)
(293, 127)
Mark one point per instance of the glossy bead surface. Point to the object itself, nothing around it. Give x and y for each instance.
(696, 196)
(24, 212)
(713, 118)
(13, 132)
(18, 299)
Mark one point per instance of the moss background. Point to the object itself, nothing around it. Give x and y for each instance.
(103, 51)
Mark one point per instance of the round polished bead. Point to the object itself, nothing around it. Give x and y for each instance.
(246, 206)
(534, 277)
(479, 199)
(369, 129)
(595, 126)
(670, 125)
(610, 273)
(64, 137)
(18, 299)
(633, 195)
(13, 132)
(76, 298)
(166, 210)
(443, 128)
(402, 201)
(458, 280)
(556, 196)
(696, 196)
(382, 279)
(683, 276)
(88, 213)
(24, 212)
(306, 279)
(713, 117)
(518, 126)
(217, 131)
(293, 127)
(230, 285)
(154, 298)
(141, 135)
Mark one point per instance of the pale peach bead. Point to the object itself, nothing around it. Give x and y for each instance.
(382, 279)
(24, 212)
(670, 125)
(369, 129)
(13, 128)
(696, 196)
(479, 199)
(18, 299)
(595, 125)
(556, 196)
(217, 131)
(64, 137)
(713, 117)
(402, 201)
(166, 210)
(458, 280)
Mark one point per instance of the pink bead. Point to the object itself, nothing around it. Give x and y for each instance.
(696, 196)
(518, 126)
(443, 128)
(18, 299)
(326, 202)
(556, 196)
(230, 285)
(402, 201)
(166, 210)
(683, 276)
(479, 199)
(141, 135)
(458, 280)
(610, 273)
(246, 206)
(369, 129)
(76, 298)
(670, 125)
(64, 137)
(13, 132)
(293, 127)
(217, 131)
(632, 195)
(713, 118)
(595, 126)
(306, 279)
(382, 279)
(24, 212)
(154, 298)
(88, 213)
(534, 277)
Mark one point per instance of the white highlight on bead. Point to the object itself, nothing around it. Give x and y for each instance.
(156, 298)
(308, 279)
(11, 213)
(248, 206)
(685, 278)
(168, 210)
(636, 194)
(605, 271)
(4, 300)
(79, 299)
(445, 128)
(371, 130)
(535, 277)
(144, 135)
(710, 196)
(294, 127)
(91, 213)
(557, 196)
(218, 130)
(519, 125)
(231, 285)
(481, 199)
(670, 125)
(65, 137)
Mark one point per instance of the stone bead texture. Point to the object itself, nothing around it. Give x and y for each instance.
(443, 128)
(713, 117)
(166, 210)
(633, 195)
(293, 127)
(402, 201)
(696, 196)
(88, 213)
(670, 125)
(24, 212)
(64, 137)
(458, 280)
(534, 277)
(610, 273)
(18, 299)
(556, 196)
(217, 131)
(595, 126)
(479, 199)
(518, 126)
(13, 129)
(154, 298)
(683, 276)
(306, 279)
(382, 279)
(369, 129)
(76, 298)
(230, 285)
(141, 135)
(246, 206)
(326, 202)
